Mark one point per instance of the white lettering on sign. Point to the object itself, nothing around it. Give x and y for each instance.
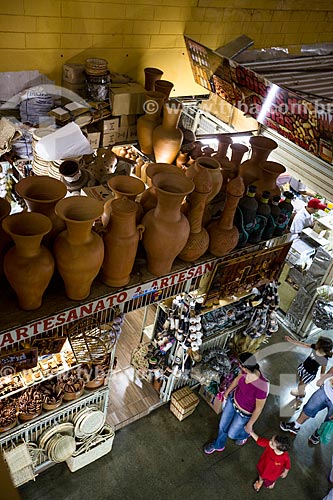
(63, 318)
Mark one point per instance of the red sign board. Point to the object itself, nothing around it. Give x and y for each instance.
(309, 124)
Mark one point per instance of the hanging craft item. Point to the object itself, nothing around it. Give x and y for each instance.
(88, 341)
(19, 462)
(323, 310)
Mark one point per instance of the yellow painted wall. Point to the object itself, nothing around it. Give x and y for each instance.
(132, 34)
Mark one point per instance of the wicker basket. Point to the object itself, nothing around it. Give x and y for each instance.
(93, 449)
(20, 465)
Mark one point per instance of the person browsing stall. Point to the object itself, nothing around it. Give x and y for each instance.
(245, 399)
(304, 218)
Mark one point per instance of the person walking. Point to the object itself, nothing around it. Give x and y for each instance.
(321, 399)
(274, 462)
(307, 371)
(245, 399)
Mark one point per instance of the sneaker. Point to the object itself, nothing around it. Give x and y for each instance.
(240, 442)
(314, 438)
(210, 448)
(289, 427)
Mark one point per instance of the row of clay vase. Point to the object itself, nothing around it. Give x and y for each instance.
(161, 139)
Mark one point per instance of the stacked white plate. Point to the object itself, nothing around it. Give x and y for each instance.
(88, 422)
(39, 165)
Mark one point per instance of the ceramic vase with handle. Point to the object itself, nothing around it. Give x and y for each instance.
(124, 186)
(121, 243)
(223, 233)
(79, 251)
(269, 174)
(167, 138)
(28, 265)
(41, 194)
(166, 228)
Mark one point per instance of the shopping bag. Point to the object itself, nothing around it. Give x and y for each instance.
(325, 431)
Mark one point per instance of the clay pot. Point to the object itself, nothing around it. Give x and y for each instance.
(149, 121)
(148, 199)
(151, 76)
(167, 229)
(41, 193)
(269, 174)
(125, 186)
(167, 138)
(5, 239)
(198, 241)
(28, 265)
(164, 86)
(121, 243)
(78, 250)
(213, 167)
(72, 176)
(223, 233)
(251, 169)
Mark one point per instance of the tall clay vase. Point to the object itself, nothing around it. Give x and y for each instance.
(125, 186)
(223, 233)
(198, 241)
(5, 239)
(149, 121)
(164, 86)
(213, 167)
(166, 228)
(79, 251)
(41, 194)
(251, 169)
(28, 265)
(121, 243)
(148, 199)
(167, 138)
(270, 172)
(151, 76)
(237, 153)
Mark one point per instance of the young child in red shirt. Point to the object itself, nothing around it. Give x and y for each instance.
(274, 462)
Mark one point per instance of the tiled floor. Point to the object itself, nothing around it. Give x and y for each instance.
(160, 458)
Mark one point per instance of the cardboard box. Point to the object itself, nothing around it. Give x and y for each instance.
(132, 133)
(108, 139)
(127, 120)
(73, 73)
(94, 137)
(210, 399)
(122, 134)
(79, 88)
(108, 125)
(127, 99)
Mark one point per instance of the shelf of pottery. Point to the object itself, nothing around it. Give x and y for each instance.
(185, 333)
(57, 384)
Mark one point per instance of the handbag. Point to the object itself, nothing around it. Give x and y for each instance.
(325, 431)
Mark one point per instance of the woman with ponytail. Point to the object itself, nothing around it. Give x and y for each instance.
(245, 399)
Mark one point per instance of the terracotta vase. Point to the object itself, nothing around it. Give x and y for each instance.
(223, 233)
(151, 76)
(5, 239)
(149, 121)
(41, 194)
(237, 153)
(251, 169)
(270, 172)
(79, 251)
(164, 86)
(166, 228)
(167, 138)
(121, 243)
(198, 241)
(28, 265)
(125, 186)
(213, 167)
(149, 197)
(223, 145)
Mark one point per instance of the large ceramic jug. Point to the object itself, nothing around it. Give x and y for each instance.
(78, 250)
(149, 198)
(149, 121)
(198, 241)
(251, 169)
(28, 265)
(269, 174)
(167, 138)
(121, 243)
(166, 228)
(5, 239)
(41, 194)
(223, 233)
